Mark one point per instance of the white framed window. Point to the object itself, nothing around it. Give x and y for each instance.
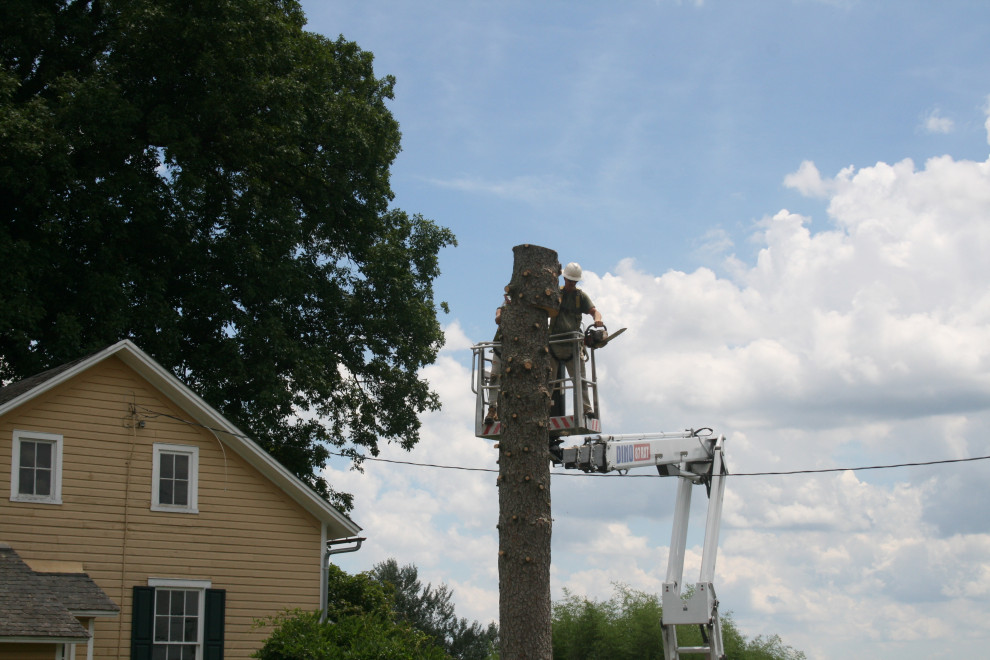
(36, 467)
(179, 615)
(175, 478)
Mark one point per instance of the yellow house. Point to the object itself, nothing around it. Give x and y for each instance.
(117, 471)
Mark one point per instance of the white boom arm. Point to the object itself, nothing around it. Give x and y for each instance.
(696, 458)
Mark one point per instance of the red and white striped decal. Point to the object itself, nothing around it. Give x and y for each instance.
(558, 423)
(567, 422)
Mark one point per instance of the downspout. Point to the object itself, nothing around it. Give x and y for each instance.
(327, 551)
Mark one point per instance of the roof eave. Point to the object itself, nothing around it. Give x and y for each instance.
(36, 639)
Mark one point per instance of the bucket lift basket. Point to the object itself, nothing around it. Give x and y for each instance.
(567, 413)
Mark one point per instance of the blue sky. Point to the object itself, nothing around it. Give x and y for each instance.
(786, 202)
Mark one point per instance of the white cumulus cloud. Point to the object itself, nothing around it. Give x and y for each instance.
(855, 340)
(934, 122)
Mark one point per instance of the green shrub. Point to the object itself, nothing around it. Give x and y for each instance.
(300, 635)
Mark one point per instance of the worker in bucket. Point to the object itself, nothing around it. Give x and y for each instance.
(495, 378)
(574, 304)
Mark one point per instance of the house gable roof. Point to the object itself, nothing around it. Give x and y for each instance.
(79, 594)
(30, 607)
(15, 394)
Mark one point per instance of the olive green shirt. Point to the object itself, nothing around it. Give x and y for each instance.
(573, 305)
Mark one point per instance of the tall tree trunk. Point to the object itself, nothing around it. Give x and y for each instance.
(524, 521)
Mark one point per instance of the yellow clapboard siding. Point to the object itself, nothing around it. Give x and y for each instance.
(249, 536)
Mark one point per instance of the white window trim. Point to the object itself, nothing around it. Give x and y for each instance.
(193, 453)
(201, 586)
(15, 464)
(180, 583)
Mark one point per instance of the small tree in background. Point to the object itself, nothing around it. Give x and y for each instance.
(431, 611)
(359, 626)
(627, 627)
(624, 626)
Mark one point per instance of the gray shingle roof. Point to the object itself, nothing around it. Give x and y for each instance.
(79, 593)
(15, 389)
(39, 606)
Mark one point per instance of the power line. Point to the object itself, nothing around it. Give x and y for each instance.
(657, 476)
(866, 467)
(432, 465)
(359, 457)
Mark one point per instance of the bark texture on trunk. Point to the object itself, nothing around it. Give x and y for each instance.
(524, 520)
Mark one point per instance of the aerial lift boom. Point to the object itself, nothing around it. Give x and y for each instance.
(695, 457)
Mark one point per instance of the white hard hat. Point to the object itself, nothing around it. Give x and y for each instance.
(572, 271)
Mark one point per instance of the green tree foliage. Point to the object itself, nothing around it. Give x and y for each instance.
(359, 626)
(431, 611)
(627, 626)
(209, 179)
(758, 648)
(624, 626)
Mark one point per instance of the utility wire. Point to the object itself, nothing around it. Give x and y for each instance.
(866, 467)
(359, 457)
(657, 476)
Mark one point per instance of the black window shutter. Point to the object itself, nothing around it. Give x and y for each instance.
(213, 624)
(142, 623)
